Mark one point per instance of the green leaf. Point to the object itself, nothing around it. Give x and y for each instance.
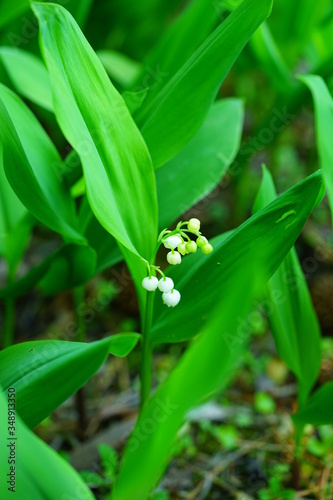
(178, 111)
(96, 122)
(109, 459)
(39, 474)
(202, 278)
(45, 373)
(318, 409)
(183, 181)
(73, 265)
(69, 266)
(11, 10)
(107, 250)
(199, 167)
(134, 100)
(29, 160)
(176, 45)
(28, 75)
(13, 222)
(248, 258)
(119, 67)
(271, 60)
(307, 17)
(123, 343)
(208, 365)
(324, 128)
(290, 311)
(17, 241)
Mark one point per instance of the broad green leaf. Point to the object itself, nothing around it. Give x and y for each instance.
(294, 23)
(28, 75)
(134, 100)
(249, 258)
(201, 279)
(324, 128)
(12, 216)
(208, 366)
(70, 266)
(29, 159)
(199, 167)
(290, 311)
(123, 343)
(178, 111)
(319, 408)
(307, 17)
(106, 247)
(80, 10)
(176, 45)
(107, 250)
(69, 269)
(17, 241)
(119, 67)
(93, 117)
(214, 146)
(11, 10)
(12, 209)
(39, 471)
(270, 58)
(45, 373)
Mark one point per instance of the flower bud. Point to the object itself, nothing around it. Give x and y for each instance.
(172, 298)
(206, 249)
(174, 258)
(193, 225)
(191, 246)
(201, 241)
(172, 242)
(150, 284)
(165, 285)
(182, 249)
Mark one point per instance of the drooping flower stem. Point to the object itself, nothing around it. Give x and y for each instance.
(147, 351)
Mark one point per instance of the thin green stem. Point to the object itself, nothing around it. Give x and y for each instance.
(9, 322)
(79, 299)
(147, 351)
(81, 336)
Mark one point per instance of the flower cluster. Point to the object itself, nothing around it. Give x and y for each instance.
(179, 243)
(170, 296)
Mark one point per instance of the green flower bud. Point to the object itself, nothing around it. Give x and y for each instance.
(206, 249)
(182, 249)
(201, 241)
(191, 246)
(193, 225)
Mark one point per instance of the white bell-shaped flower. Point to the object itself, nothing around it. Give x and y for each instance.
(174, 258)
(172, 242)
(165, 285)
(171, 299)
(150, 284)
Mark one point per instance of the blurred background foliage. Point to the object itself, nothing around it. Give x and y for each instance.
(279, 130)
